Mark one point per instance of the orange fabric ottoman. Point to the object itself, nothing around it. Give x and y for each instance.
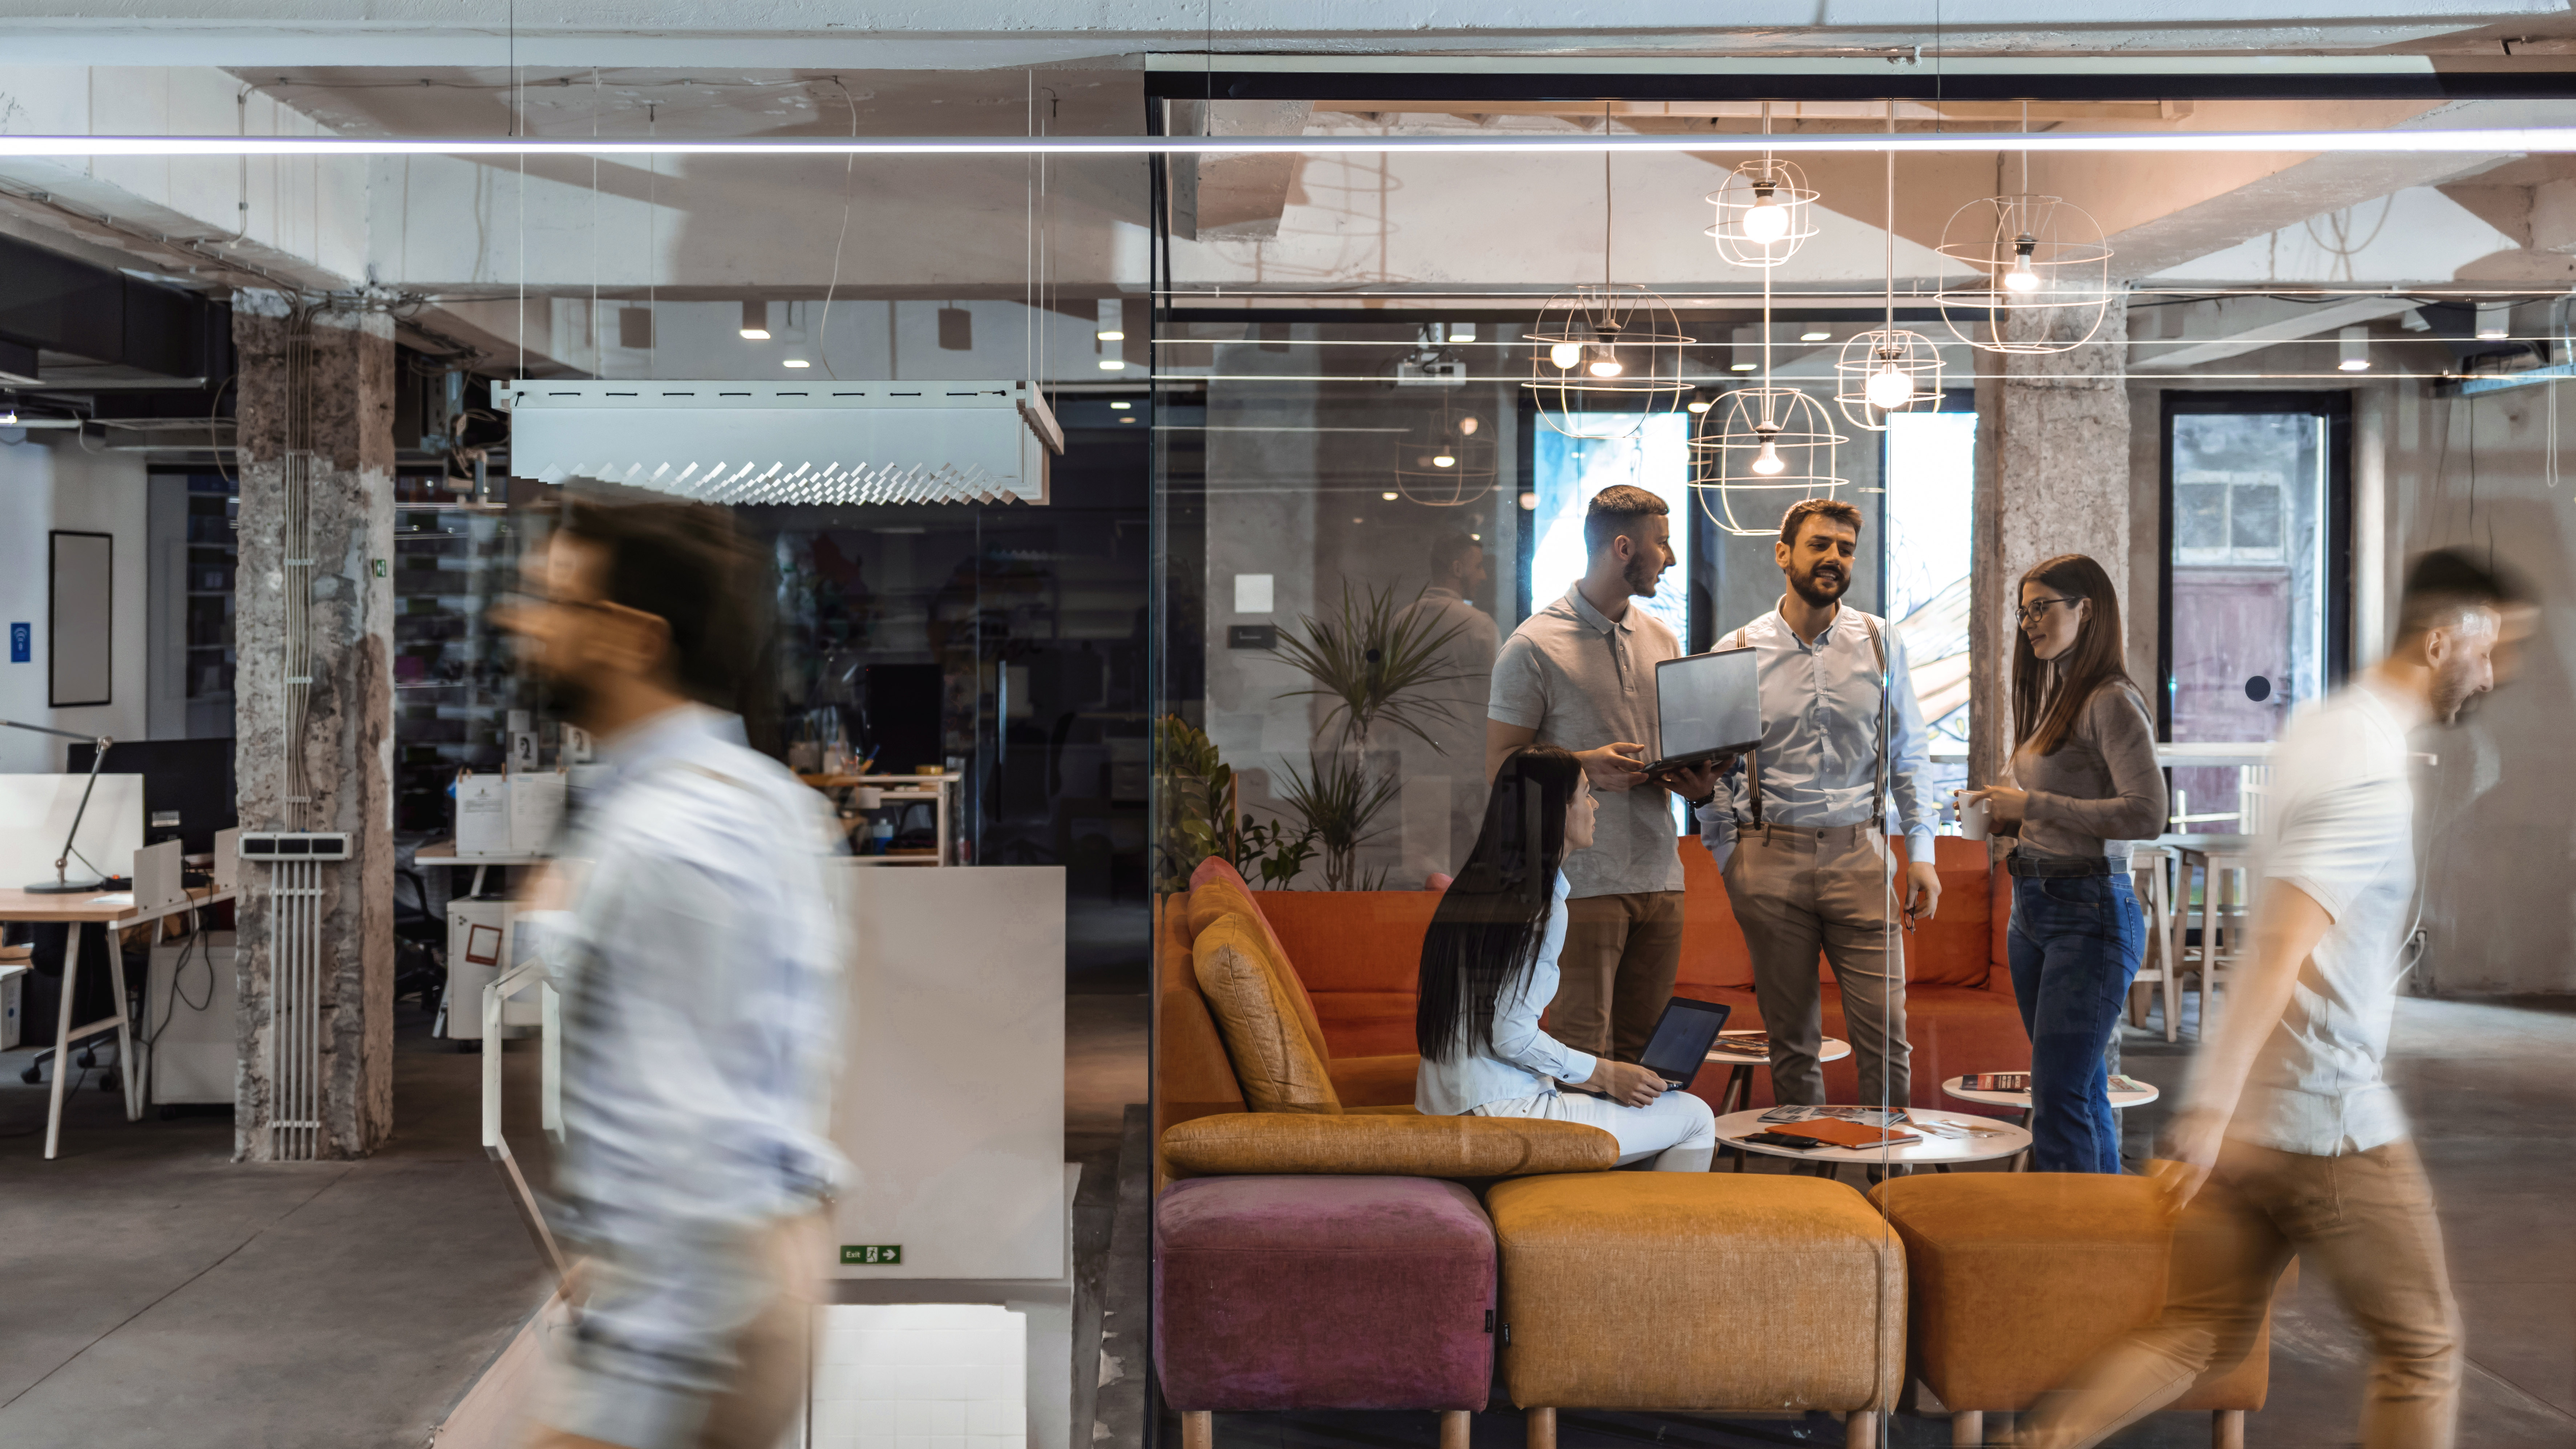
(2019, 1278)
(1766, 1293)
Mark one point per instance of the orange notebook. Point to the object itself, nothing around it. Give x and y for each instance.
(1834, 1132)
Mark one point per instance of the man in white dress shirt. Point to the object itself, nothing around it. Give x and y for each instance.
(1798, 826)
(2289, 1142)
(1445, 766)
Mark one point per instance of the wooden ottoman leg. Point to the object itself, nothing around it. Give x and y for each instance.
(1542, 1429)
(1861, 1428)
(1453, 1429)
(2227, 1429)
(1967, 1429)
(1198, 1429)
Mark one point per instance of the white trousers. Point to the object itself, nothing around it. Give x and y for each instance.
(1676, 1129)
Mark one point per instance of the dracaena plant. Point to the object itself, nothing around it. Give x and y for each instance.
(1371, 659)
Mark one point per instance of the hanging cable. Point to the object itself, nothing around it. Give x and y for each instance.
(823, 334)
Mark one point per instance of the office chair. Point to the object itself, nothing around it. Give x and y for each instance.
(420, 942)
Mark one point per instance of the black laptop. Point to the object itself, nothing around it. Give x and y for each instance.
(1679, 1047)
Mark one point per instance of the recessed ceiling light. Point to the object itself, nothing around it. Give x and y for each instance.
(1110, 334)
(755, 321)
(1699, 405)
(1120, 407)
(1112, 364)
(1815, 337)
(798, 362)
(1128, 419)
(755, 334)
(1739, 367)
(1389, 497)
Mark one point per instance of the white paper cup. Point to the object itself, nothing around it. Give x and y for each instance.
(1972, 817)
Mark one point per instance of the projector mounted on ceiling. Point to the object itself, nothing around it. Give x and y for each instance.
(788, 442)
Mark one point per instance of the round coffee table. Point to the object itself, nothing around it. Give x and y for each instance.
(1988, 1140)
(1952, 1088)
(1739, 1083)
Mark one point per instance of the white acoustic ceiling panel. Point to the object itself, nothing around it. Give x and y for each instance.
(788, 442)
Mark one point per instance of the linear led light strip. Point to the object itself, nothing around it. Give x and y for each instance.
(2482, 140)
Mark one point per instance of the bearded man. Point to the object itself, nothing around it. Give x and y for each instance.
(1579, 674)
(1799, 829)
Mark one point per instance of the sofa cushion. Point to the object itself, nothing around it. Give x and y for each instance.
(1322, 1293)
(1277, 1067)
(1360, 954)
(1222, 894)
(1409, 1145)
(1698, 1290)
(1991, 1252)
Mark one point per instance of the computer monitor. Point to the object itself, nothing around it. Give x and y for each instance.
(187, 786)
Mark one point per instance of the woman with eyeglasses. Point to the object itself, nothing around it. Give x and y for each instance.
(2082, 784)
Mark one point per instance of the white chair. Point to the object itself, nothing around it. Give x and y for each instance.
(2150, 870)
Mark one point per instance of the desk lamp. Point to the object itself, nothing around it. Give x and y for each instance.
(59, 885)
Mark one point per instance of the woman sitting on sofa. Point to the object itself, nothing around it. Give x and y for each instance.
(1489, 969)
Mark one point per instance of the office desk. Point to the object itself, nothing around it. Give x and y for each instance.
(443, 853)
(116, 913)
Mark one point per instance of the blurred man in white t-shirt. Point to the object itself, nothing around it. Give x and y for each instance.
(2289, 1142)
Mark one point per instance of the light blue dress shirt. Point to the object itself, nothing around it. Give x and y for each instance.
(1518, 1059)
(701, 972)
(1820, 707)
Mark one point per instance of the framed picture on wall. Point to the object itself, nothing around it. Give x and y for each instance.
(80, 606)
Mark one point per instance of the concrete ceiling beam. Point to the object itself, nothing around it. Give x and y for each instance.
(2233, 326)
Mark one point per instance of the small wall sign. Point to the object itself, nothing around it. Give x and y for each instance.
(22, 643)
(872, 1255)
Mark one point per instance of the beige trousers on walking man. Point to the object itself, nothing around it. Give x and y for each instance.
(2364, 1220)
(1797, 890)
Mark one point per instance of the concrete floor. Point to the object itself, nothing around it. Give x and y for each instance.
(160, 1294)
(2489, 1085)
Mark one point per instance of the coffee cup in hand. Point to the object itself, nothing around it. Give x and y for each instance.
(1973, 816)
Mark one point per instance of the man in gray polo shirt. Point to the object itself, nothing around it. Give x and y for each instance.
(1579, 674)
(2289, 1142)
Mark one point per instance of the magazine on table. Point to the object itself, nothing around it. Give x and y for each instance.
(1867, 1116)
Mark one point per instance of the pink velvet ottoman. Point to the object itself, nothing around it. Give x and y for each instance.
(1323, 1293)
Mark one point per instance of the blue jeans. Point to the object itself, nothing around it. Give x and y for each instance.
(2075, 944)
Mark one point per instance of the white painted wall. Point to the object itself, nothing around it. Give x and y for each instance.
(43, 488)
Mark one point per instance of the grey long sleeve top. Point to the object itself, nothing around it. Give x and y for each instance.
(2101, 789)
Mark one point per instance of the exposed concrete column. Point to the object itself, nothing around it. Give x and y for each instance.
(2052, 478)
(335, 401)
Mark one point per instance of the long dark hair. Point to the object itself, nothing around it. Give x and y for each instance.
(1489, 924)
(2042, 717)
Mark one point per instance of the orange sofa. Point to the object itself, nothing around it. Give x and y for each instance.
(1358, 953)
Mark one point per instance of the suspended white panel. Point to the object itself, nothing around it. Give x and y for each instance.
(789, 442)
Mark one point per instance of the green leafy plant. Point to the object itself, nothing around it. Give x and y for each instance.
(1335, 799)
(1200, 818)
(1369, 659)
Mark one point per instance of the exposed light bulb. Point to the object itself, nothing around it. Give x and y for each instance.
(1767, 462)
(1466, 427)
(1606, 363)
(1386, 497)
(1766, 220)
(2021, 278)
(1889, 388)
(1565, 354)
(1444, 461)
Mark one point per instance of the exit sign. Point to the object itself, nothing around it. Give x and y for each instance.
(872, 1255)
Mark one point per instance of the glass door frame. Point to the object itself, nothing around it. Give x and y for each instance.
(2336, 408)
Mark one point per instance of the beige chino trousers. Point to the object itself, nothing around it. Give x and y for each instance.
(1797, 890)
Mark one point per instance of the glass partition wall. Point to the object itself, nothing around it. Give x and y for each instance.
(1373, 443)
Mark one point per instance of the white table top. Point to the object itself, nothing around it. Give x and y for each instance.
(1951, 1088)
(1832, 1049)
(1997, 1139)
(115, 909)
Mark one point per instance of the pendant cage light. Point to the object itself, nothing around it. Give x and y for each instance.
(1759, 449)
(2039, 274)
(1446, 457)
(1765, 212)
(1604, 358)
(1890, 369)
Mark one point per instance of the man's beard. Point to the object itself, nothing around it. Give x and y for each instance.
(1643, 576)
(1821, 585)
(2451, 698)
